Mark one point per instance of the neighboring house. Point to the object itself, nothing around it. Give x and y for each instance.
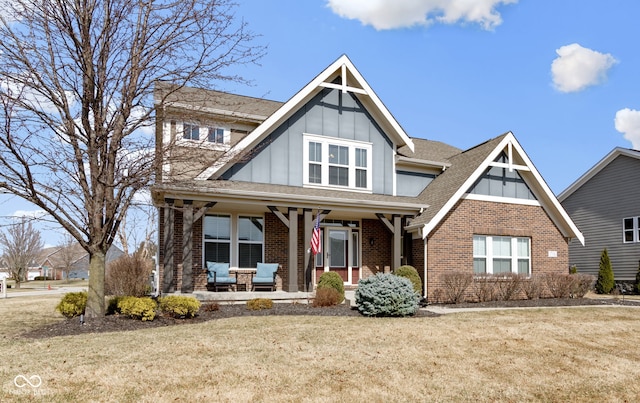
(605, 204)
(53, 261)
(243, 180)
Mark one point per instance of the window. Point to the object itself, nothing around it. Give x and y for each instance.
(190, 131)
(250, 236)
(217, 238)
(631, 229)
(338, 163)
(501, 254)
(215, 135)
(237, 240)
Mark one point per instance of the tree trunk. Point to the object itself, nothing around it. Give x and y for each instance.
(95, 300)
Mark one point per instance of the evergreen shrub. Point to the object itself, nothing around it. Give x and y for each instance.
(386, 294)
(411, 273)
(143, 308)
(331, 279)
(112, 305)
(72, 304)
(605, 282)
(179, 306)
(258, 304)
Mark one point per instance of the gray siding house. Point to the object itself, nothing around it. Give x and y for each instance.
(605, 205)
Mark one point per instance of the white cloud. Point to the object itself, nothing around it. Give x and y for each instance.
(390, 14)
(577, 68)
(627, 121)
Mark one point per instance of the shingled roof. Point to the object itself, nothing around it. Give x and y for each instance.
(444, 187)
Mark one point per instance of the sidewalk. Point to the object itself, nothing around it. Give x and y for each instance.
(44, 291)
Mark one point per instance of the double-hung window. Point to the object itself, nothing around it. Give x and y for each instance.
(501, 254)
(631, 229)
(215, 135)
(237, 240)
(337, 163)
(190, 131)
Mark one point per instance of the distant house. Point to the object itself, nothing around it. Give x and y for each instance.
(605, 205)
(245, 180)
(53, 261)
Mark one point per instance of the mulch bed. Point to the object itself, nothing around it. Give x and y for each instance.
(119, 323)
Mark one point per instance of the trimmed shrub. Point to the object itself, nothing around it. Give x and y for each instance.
(326, 297)
(386, 294)
(331, 279)
(484, 288)
(143, 308)
(508, 285)
(72, 304)
(411, 273)
(179, 306)
(582, 283)
(533, 287)
(605, 282)
(258, 304)
(559, 285)
(41, 278)
(128, 276)
(455, 284)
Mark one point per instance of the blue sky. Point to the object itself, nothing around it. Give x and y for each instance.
(561, 75)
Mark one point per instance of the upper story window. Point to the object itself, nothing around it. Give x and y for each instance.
(190, 131)
(631, 229)
(333, 162)
(502, 179)
(195, 132)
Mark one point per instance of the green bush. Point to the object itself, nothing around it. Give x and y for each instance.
(41, 278)
(386, 294)
(72, 304)
(605, 282)
(143, 308)
(179, 306)
(258, 304)
(326, 297)
(411, 273)
(331, 279)
(573, 269)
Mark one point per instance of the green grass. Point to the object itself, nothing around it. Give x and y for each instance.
(549, 355)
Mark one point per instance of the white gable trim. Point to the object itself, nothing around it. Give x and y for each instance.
(344, 65)
(613, 154)
(549, 202)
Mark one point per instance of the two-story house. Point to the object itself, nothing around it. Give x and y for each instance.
(243, 181)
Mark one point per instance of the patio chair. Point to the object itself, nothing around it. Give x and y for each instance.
(218, 276)
(265, 276)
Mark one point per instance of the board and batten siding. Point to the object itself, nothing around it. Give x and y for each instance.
(279, 158)
(598, 208)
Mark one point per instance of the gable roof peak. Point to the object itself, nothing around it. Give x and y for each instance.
(350, 80)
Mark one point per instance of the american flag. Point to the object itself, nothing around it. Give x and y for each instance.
(316, 244)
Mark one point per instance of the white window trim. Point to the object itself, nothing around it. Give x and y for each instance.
(234, 241)
(514, 253)
(500, 199)
(352, 145)
(636, 230)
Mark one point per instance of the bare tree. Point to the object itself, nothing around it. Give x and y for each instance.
(22, 245)
(76, 88)
(67, 255)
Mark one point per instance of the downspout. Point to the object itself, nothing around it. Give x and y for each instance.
(426, 279)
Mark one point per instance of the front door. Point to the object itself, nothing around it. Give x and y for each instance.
(337, 248)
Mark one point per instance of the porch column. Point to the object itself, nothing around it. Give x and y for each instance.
(397, 244)
(187, 247)
(167, 271)
(293, 249)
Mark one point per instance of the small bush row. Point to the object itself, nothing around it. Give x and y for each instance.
(144, 308)
(460, 287)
